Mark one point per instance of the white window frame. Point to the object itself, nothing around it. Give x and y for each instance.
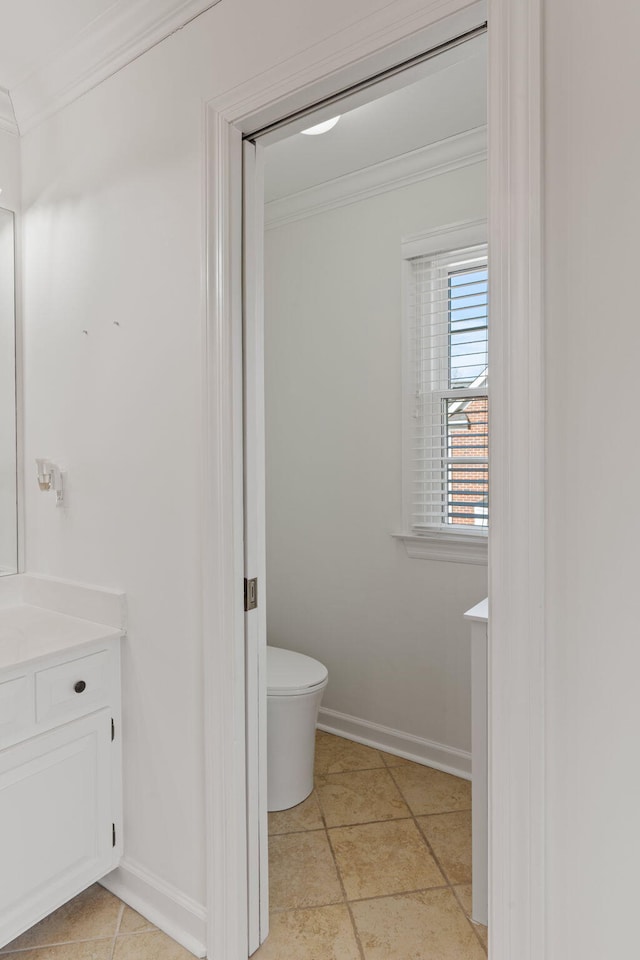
(467, 545)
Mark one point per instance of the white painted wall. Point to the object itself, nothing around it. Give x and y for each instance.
(592, 158)
(339, 587)
(112, 313)
(9, 170)
(113, 220)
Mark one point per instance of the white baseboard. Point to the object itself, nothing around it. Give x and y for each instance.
(448, 759)
(177, 915)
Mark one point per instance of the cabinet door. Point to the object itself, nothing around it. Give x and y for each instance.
(56, 834)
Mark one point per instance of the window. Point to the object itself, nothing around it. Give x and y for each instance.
(446, 386)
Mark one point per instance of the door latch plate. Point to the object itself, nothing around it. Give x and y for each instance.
(250, 594)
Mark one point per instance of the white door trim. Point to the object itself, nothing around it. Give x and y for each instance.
(222, 548)
(254, 544)
(516, 544)
(516, 565)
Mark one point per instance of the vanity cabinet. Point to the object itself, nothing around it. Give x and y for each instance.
(60, 770)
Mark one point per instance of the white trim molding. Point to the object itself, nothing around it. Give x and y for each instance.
(516, 658)
(118, 36)
(451, 236)
(434, 160)
(400, 744)
(448, 547)
(180, 917)
(222, 583)
(7, 116)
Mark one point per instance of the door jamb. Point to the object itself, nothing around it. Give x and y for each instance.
(516, 555)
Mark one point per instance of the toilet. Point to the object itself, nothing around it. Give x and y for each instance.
(295, 684)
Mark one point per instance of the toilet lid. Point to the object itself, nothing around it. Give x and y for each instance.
(291, 673)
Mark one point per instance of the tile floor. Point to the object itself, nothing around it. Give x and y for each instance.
(374, 865)
(94, 926)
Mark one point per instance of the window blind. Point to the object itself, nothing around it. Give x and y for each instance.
(449, 428)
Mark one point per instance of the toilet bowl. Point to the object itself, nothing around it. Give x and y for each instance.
(295, 684)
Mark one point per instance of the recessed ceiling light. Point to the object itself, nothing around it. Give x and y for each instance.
(322, 127)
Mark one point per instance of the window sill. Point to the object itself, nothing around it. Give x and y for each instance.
(450, 547)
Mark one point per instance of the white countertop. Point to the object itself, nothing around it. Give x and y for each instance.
(480, 612)
(27, 633)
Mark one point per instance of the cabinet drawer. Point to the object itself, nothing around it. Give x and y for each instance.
(16, 707)
(73, 688)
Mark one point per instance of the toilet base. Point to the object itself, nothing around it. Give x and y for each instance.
(291, 731)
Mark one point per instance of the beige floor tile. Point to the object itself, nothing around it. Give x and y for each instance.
(302, 872)
(149, 946)
(377, 859)
(431, 791)
(463, 893)
(337, 755)
(322, 933)
(304, 816)
(393, 761)
(86, 950)
(93, 914)
(133, 922)
(359, 797)
(450, 837)
(420, 926)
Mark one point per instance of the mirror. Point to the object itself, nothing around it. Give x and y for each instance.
(8, 458)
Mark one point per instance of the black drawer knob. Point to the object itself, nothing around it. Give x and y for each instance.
(80, 686)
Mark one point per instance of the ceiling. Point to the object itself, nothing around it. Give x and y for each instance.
(34, 30)
(450, 99)
(53, 51)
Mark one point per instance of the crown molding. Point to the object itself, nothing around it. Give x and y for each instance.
(433, 160)
(111, 41)
(7, 116)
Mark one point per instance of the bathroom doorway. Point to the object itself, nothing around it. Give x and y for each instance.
(352, 213)
(516, 558)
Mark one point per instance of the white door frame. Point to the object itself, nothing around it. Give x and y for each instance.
(254, 543)
(516, 556)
